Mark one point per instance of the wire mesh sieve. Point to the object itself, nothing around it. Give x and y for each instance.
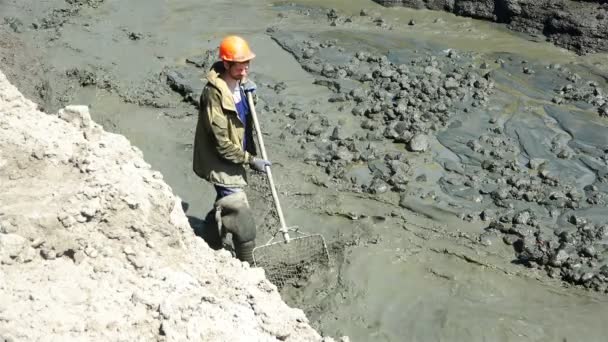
(286, 262)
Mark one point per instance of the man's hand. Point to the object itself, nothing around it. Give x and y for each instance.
(259, 164)
(249, 86)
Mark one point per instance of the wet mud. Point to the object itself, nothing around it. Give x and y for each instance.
(460, 185)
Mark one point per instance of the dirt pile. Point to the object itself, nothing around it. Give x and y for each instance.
(581, 26)
(95, 246)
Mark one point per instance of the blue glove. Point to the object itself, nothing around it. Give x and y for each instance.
(259, 164)
(249, 86)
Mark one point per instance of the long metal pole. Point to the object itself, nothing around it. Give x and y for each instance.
(273, 189)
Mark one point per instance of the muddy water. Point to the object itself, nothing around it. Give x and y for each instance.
(404, 275)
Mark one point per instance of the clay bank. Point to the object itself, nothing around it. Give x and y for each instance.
(457, 170)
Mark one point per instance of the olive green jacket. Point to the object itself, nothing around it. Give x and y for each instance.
(218, 143)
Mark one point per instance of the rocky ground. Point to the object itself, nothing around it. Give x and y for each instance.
(94, 245)
(451, 184)
(581, 26)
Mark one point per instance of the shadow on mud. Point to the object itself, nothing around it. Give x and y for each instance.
(204, 228)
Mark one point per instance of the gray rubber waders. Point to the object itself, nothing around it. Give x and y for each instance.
(244, 251)
(236, 217)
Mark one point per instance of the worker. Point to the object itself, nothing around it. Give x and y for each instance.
(224, 145)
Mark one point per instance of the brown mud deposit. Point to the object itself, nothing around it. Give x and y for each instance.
(457, 172)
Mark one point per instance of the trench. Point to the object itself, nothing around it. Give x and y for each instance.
(419, 271)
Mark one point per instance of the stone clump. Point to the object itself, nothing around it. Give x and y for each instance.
(95, 246)
(588, 92)
(528, 176)
(575, 252)
(398, 103)
(538, 212)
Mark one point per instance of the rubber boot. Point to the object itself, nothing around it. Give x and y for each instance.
(244, 250)
(237, 218)
(209, 231)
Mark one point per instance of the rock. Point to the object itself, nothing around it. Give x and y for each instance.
(419, 143)
(403, 201)
(66, 220)
(535, 163)
(359, 110)
(488, 215)
(11, 245)
(528, 249)
(358, 94)
(279, 87)
(378, 186)
(91, 252)
(185, 81)
(380, 22)
(510, 239)
(77, 115)
(315, 129)
(603, 110)
(475, 146)
(450, 84)
(337, 98)
(587, 276)
(48, 253)
(14, 23)
(528, 71)
(589, 251)
(27, 254)
(432, 71)
(308, 53)
(522, 217)
(338, 134)
(379, 169)
(369, 124)
(374, 136)
(344, 154)
(204, 61)
(7, 227)
(135, 35)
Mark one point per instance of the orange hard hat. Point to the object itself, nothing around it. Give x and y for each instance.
(235, 49)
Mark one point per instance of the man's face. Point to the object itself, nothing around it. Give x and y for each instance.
(238, 70)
